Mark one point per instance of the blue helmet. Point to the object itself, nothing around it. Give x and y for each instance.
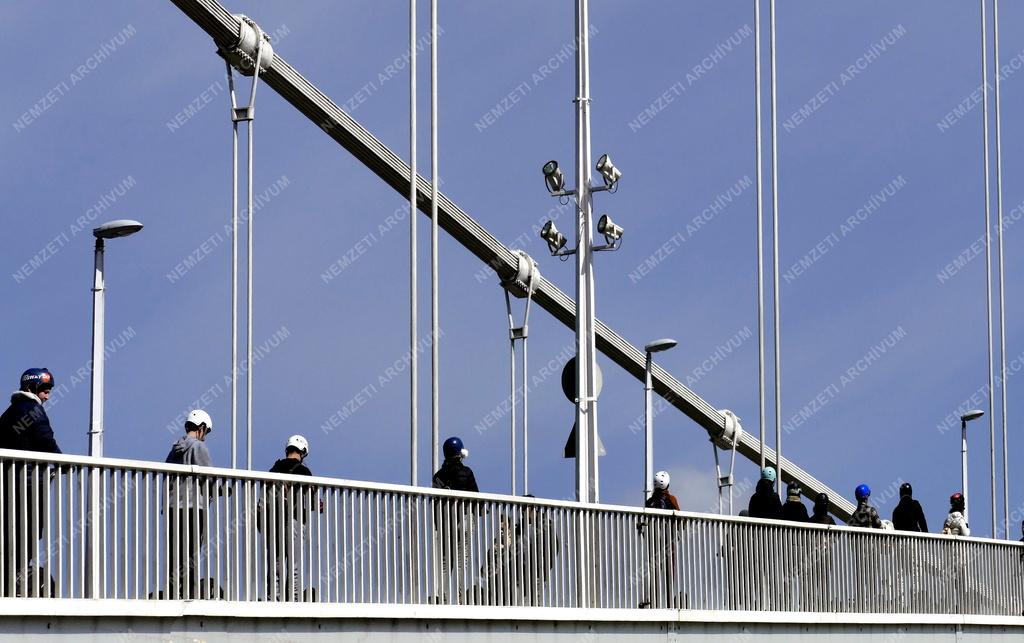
(452, 447)
(768, 473)
(862, 492)
(36, 379)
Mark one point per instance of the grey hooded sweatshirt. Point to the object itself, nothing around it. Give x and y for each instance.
(189, 451)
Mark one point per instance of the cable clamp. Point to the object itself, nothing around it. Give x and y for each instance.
(252, 42)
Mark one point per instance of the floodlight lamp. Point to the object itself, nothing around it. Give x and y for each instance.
(555, 239)
(612, 231)
(608, 171)
(553, 178)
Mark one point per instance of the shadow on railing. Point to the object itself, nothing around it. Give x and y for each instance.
(182, 533)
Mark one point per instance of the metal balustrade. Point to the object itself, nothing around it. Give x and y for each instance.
(167, 532)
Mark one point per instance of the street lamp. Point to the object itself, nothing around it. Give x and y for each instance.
(656, 346)
(110, 230)
(964, 419)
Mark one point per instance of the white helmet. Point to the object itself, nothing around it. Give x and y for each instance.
(661, 480)
(197, 417)
(299, 443)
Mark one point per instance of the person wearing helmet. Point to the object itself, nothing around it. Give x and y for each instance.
(794, 509)
(864, 515)
(453, 474)
(188, 503)
(908, 514)
(765, 503)
(284, 518)
(820, 513)
(454, 529)
(956, 521)
(26, 427)
(661, 498)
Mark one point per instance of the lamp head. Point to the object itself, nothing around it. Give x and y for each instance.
(608, 171)
(555, 239)
(608, 228)
(114, 229)
(972, 415)
(660, 345)
(553, 178)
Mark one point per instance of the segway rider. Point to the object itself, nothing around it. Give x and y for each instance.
(765, 503)
(794, 509)
(865, 515)
(188, 503)
(287, 511)
(453, 474)
(25, 426)
(956, 521)
(661, 498)
(908, 514)
(453, 522)
(821, 515)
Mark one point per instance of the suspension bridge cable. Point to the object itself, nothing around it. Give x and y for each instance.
(435, 356)
(234, 271)
(758, 136)
(775, 254)
(1002, 299)
(413, 393)
(988, 252)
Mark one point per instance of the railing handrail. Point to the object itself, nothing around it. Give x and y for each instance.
(344, 483)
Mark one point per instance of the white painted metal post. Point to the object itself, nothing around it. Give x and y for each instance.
(963, 467)
(775, 261)
(95, 425)
(413, 361)
(1002, 293)
(648, 432)
(587, 479)
(96, 395)
(435, 304)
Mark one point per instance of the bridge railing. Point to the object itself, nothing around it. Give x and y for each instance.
(120, 529)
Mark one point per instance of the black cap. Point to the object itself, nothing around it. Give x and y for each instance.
(906, 489)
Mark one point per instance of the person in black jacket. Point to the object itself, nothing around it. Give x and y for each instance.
(765, 503)
(821, 515)
(794, 509)
(25, 426)
(287, 515)
(453, 522)
(908, 514)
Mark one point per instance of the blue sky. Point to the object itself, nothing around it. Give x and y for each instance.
(144, 133)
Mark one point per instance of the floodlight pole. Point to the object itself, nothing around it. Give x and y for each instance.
(586, 405)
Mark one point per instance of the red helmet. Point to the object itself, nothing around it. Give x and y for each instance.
(956, 501)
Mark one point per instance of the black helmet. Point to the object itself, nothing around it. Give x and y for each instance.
(906, 489)
(794, 489)
(36, 379)
(821, 502)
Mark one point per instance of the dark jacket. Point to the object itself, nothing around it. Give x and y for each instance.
(662, 500)
(865, 516)
(823, 519)
(908, 516)
(24, 425)
(794, 511)
(455, 476)
(764, 503)
(292, 466)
